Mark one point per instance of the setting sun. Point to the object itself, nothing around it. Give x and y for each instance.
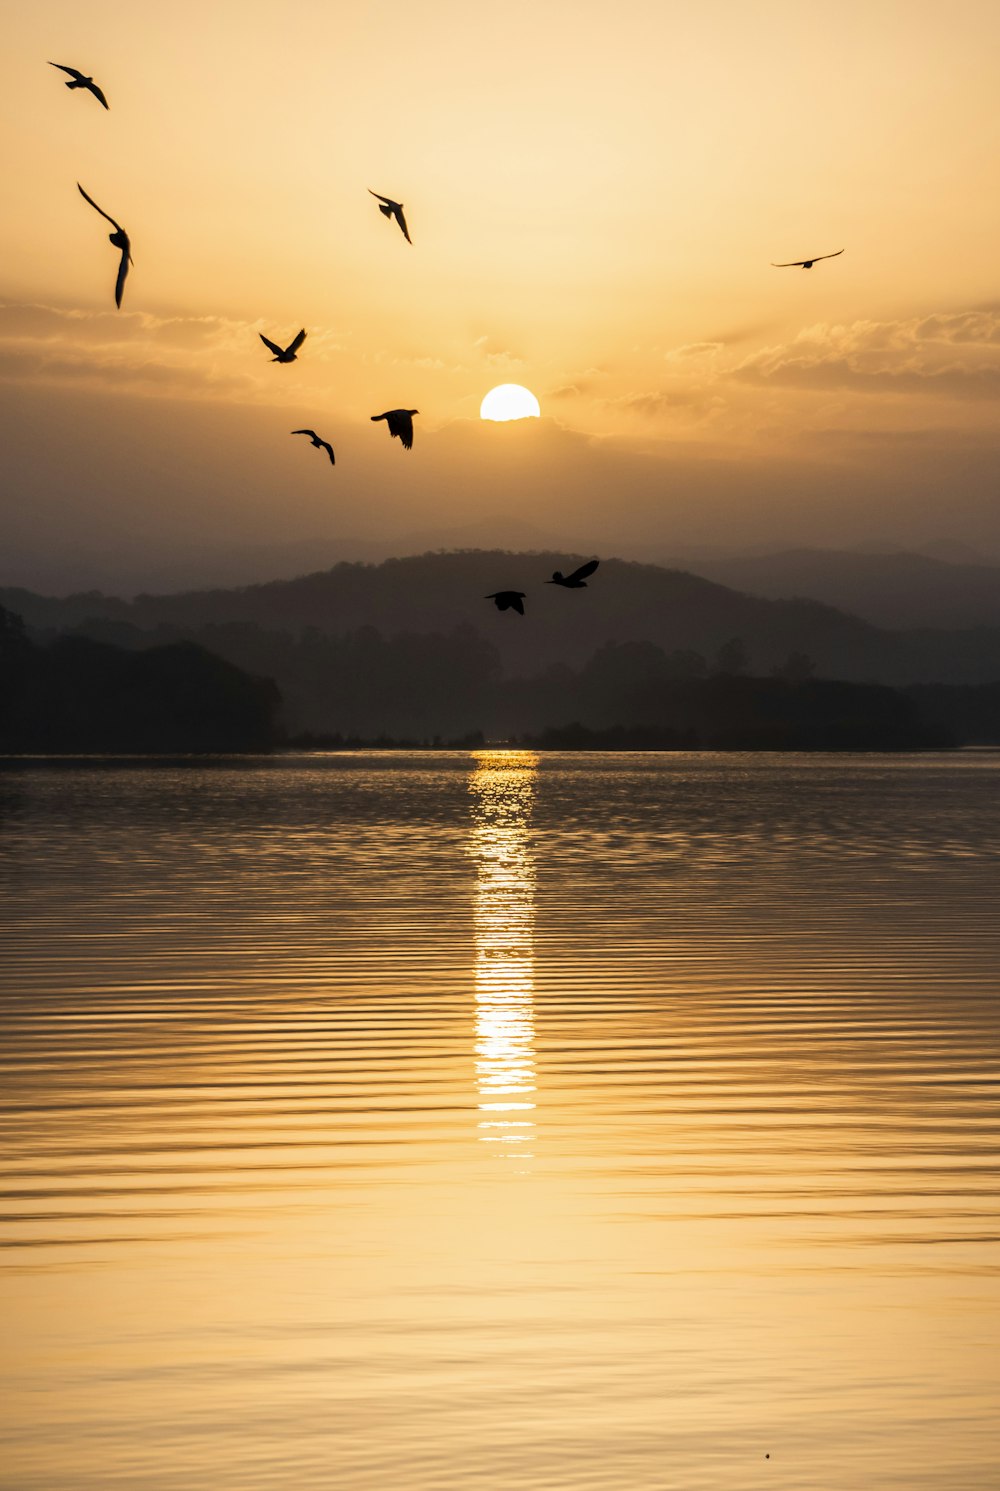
(509, 401)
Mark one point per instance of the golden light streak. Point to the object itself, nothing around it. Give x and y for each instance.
(502, 789)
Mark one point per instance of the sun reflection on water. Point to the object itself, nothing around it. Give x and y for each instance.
(502, 788)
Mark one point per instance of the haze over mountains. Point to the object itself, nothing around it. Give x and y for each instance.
(890, 589)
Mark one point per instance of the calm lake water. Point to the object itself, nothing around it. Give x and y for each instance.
(484, 1120)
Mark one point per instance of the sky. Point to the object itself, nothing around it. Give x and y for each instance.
(595, 198)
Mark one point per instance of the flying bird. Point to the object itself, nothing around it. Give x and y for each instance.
(578, 579)
(400, 422)
(78, 80)
(389, 208)
(283, 354)
(508, 600)
(805, 263)
(319, 444)
(121, 240)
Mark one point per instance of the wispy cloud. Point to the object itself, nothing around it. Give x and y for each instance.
(493, 351)
(138, 352)
(953, 355)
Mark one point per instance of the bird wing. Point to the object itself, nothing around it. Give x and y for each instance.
(311, 433)
(98, 94)
(73, 72)
(401, 424)
(93, 204)
(516, 602)
(268, 343)
(584, 570)
(792, 264)
(329, 450)
(387, 200)
(297, 343)
(829, 256)
(401, 220)
(123, 264)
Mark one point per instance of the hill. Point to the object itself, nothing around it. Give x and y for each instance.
(437, 593)
(78, 696)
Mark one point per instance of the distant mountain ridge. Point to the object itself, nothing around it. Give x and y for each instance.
(442, 593)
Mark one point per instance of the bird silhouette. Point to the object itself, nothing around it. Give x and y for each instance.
(319, 444)
(578, 579)
(806, 263)
(400, 422)
(121, 240)
(389, 208)
(283, 354)
(79, 80)
(508, 600)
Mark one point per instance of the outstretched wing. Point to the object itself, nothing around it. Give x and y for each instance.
(401, 220)
(584, 570)
(387, 200)
(123, 264)
(329, 450)
(272, 345)
(93, 204)
(294, 346)
(517, 604)
(73, 71)
(98, 94)
(801, 263)
(311, 433)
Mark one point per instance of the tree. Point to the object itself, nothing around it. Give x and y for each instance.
(797, 667)
(732, 658)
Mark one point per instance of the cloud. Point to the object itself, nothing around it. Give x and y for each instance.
(700, 400)
(494, 352)
(693, 351)
(655, 401)
(39, 323)
(953, 355)
(43, 362)
(132, 350)
(748, 331)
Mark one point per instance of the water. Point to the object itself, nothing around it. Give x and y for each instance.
(497, 1121)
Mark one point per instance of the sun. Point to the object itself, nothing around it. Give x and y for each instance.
(509, 401)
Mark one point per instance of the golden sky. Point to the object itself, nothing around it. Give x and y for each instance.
(595, 196)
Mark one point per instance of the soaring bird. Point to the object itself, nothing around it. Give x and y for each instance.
(508, 600)
(578, 579)
(805, 263)
(78, 80)
(283, 354)
(319, 444)
(400, 422)
(389, 208)
(121, 240)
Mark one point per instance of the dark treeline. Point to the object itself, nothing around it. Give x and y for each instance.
(85, 691)
(77, 695)
(760, 714)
